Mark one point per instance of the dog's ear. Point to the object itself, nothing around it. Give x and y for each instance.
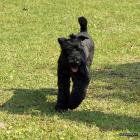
(82, 37)
(72, 36)
(61, 40)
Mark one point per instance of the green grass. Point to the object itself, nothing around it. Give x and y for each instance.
(28, 62)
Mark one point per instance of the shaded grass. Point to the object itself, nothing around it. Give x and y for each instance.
(122, 81)
(34, 102)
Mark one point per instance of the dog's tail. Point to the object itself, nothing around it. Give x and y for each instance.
(83, 24)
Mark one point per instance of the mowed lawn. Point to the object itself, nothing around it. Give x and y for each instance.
(28, 62)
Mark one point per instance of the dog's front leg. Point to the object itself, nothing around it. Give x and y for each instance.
(63, 90)
(78, 92)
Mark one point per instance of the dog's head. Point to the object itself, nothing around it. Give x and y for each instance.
(74, 51)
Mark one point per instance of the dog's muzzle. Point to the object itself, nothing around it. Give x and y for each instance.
(74, 66)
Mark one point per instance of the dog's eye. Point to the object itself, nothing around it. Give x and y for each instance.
(78, 48)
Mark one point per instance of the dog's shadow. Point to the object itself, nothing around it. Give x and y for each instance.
(28, 100)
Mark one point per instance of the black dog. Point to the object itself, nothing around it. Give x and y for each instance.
(74, 62)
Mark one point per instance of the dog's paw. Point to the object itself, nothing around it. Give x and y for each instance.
(61, 110)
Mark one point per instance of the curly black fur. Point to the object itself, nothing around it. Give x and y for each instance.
(74, 62)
